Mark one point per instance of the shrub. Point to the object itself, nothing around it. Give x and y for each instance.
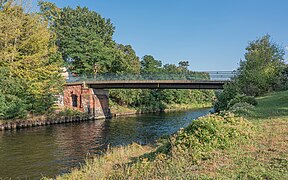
(223, 98)
(209, 133)
(12, 106)
(242, 98)
(241, 108)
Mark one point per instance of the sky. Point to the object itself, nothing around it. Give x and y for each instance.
(210, 34)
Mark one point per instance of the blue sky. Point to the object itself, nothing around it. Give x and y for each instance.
(210, 34)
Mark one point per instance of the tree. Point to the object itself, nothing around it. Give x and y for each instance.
(2, 2)
(170, 68)
(150, 65)
(84, 38)
(12, 103)
(129, 60)
(183, 65)
(50, 13)
(26, 53)
(261, 70)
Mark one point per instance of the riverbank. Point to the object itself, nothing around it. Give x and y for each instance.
(204, 150)
(43, 121)
(74, 116)
(123, 111)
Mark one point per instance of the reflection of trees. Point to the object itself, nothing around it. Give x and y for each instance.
(27, 153)
(125, 130)
(49, 149)
(76, 142)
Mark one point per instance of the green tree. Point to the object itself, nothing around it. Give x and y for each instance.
(84, 38)
(50, 12)
(261, 70)
(26, 53)
(129, 61)
(12, 91)
(183, 65)
(171, 69)
(230, 91)
(150, 65)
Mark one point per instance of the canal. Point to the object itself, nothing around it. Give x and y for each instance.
(53, 150)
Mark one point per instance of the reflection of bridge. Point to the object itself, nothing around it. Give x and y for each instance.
(88, 95)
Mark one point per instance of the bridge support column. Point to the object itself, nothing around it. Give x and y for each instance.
(95, 102)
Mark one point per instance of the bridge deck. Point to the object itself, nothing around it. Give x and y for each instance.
(152, 84)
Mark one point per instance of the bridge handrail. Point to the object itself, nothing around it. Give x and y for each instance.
(196, 76)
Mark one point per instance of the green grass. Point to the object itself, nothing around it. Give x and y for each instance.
(271, 106)
(212, 147)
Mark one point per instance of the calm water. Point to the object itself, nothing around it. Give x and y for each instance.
(51, 150)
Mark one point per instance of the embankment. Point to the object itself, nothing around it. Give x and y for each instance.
(17, 124)
(116, 111)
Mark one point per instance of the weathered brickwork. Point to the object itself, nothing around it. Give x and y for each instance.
(93, 101)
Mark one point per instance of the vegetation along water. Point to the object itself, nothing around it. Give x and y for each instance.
(246, 138)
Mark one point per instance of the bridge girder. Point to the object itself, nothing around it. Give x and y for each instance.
(162, 84)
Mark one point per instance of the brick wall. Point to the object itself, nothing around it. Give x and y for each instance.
(93, 101)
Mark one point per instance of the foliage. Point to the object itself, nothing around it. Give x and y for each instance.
(126, 97)
(150, 65)
(158, 100)
(183, 65)
(129, 61)
(241, 108)
(29, 61)
(11, 92)
(223, 98)
(85, 41)
(261, 70)
(283, 85)
(210, 132)
(242, 98)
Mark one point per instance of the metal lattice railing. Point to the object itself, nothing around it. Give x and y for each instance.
(196, 76)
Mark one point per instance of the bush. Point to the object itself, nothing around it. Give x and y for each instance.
(242, 98)
(223, 98)
(241, 108)
(209, 133)
(12, 107)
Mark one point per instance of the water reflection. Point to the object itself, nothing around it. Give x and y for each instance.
(51, 150)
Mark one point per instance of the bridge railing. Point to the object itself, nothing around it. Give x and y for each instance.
(196, 76)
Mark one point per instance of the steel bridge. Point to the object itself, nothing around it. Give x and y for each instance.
(194, 80)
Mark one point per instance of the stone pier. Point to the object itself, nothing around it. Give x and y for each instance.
(95, 102)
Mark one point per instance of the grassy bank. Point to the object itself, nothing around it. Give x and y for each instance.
(222, 147)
